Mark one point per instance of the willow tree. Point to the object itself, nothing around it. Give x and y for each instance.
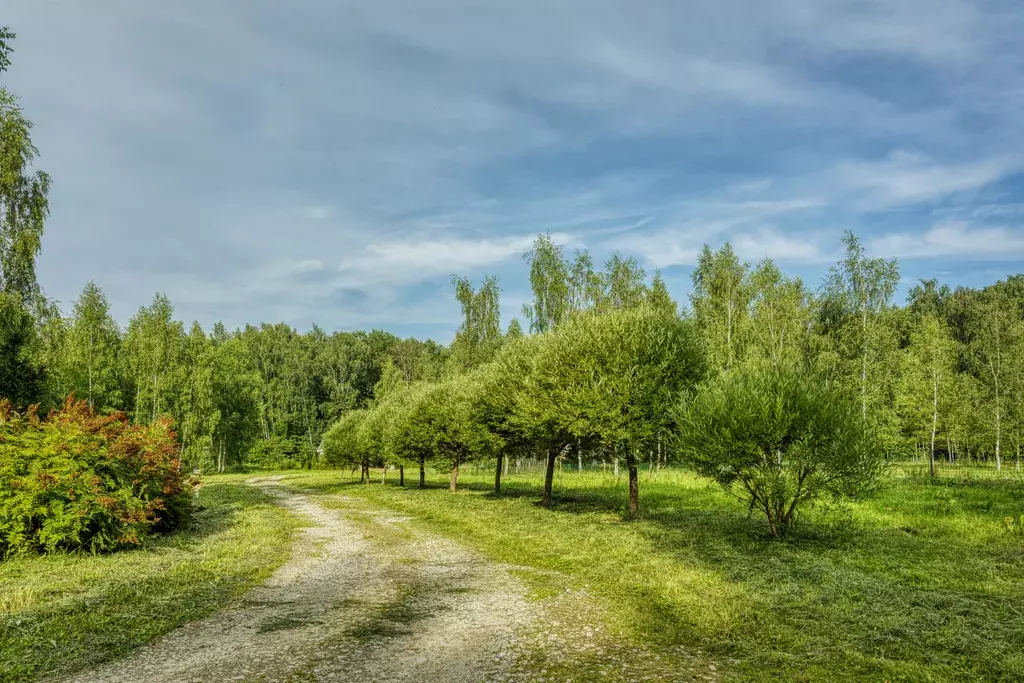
(606, 379)
(777, 438)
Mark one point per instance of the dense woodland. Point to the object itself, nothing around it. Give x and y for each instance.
(941, 375)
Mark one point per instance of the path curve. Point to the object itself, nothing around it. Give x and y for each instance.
(363, 599)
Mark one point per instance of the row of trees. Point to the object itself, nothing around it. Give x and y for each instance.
(619, 374)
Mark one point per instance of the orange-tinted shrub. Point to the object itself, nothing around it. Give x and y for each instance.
(81, 481)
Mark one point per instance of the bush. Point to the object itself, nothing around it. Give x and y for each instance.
(81, 481)
(777, 439)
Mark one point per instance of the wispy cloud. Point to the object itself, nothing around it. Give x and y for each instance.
(906, 178)
(338, 161)
(953, 240)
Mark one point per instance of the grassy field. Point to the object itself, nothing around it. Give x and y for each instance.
(60, 613)
(922, 583)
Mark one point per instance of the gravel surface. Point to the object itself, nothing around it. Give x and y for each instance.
(362, 599)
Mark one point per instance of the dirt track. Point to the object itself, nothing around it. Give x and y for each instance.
(351, 605)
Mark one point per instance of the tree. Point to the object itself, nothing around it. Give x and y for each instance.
(153, 356)
(996, 328)
(21, 378)
(92, 350)
(605, 379)
(777, 438)
(23, 194)
(623, 282)
(24, 207)
(720, 300)
(550, 282)
(779, 321)
(861, 289)
(927, 374)
(5, 49)
(658, 296)
(480, 333)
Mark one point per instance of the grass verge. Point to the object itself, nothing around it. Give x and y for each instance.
(921, 583)
(61, 613)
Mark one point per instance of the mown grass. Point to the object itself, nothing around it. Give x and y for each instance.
(61, 613)
(924, 582)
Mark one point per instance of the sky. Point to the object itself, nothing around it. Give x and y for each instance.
(338, 161)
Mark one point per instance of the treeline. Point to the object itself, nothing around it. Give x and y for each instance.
(261, 396)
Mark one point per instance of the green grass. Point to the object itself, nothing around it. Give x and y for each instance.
(60, 613)
(922, 583)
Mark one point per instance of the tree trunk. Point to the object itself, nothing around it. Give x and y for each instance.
(497, 473)
(90, 373)
(579, 459)
(549, 476)
(401, 475)
(935, 420)
(453, 482)
(506, 466)
(615, 461)
(999, 462)
(423, 473)
(383, 474)
(650, 465)
(634, 486)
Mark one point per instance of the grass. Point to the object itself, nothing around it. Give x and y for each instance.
(925, 582)
(61, 613)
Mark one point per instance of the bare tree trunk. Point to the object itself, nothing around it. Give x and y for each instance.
(999, 462)
(401, 475)
(506, 466)
(935, 420)
(634, 486)
(453, 481)
(90, 373)
(615, 460)
(383, 474)
(497, 473)
(423, 473)
(864, 369)
(549, 476)
(650, 464)
(579, 458)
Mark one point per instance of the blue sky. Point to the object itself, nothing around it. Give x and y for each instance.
(337, 162)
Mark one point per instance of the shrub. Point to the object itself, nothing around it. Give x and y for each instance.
(81, 481)
(778, 438)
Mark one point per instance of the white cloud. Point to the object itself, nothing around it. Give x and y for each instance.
(906, 178)
(953, 240)
(413, 260)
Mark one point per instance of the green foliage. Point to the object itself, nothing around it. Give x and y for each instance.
(777, 439)
(78, 481)
(720, 300)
